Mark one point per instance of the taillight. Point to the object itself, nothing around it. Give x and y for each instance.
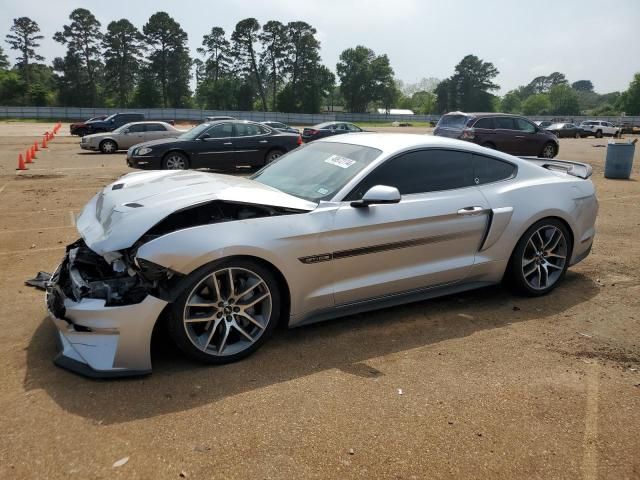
(299, 140)
(468, 134)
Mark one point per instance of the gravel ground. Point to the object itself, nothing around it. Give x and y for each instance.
(478, 385)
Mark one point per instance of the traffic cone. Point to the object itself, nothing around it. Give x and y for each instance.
(44, 142)
(21, 165)
(35, 146)
(33, 152)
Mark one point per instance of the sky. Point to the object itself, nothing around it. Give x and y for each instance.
(423, 38)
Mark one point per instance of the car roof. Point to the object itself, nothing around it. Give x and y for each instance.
(147, 122)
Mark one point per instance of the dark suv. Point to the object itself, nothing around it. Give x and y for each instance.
(112, 122)
(507, 133)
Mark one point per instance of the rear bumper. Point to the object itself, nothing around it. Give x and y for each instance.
(100, 341)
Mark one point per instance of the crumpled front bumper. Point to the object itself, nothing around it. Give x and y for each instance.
(100, 341)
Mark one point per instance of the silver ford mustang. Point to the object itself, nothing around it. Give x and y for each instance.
(338, 226)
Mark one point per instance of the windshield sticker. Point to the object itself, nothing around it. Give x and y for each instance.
(339, 161)
(322, 191)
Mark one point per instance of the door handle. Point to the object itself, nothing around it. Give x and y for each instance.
(227, 143)
(475, 210)
(263, 141)
(519, 136)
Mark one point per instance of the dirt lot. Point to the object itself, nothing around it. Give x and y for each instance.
(493, 386)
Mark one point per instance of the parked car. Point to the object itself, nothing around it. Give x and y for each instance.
(600, 129)
(569, 130)
(218, 117)
(112, 122)
(221, 144)
(342, 225)
(282, 127)
(543, 123)
(81, 129)
(128, 135)
(328, 129)
(508, 133)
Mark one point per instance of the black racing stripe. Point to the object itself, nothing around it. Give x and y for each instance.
(354, 252)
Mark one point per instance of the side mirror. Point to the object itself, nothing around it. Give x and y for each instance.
(378, 194)
(204, 136)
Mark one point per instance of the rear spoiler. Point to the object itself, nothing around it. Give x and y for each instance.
(577, 169)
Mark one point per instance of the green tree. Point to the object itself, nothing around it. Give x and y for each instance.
(275, 51)
(24, 39)
(474, 80)
(147, 92)
(583, 86)
(122, 53)
(564, 100)
(424, 102)
(215, 49)
(511, 102)
(365, 78)
(169, 58)
(538, 104)
(83, 40)
(4, 61)
(244, 38)
(630, 100)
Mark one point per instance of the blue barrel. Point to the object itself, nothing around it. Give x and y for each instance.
(619, 160)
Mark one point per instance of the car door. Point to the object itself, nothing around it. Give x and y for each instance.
(527, 139)
(505, 134)
(155, 131)
(134, 134)
(428, 239)
(251, 144)
(214, 147)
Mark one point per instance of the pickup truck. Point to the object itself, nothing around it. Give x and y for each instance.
(599, 129)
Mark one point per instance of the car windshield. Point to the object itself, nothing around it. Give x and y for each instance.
(317, 171)
(194, 132)
(453, 121)
(556, 125)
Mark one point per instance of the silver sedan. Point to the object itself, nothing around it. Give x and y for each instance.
(128, 135)
(342, 225)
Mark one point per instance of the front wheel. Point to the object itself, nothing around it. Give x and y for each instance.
(175, 161)
(227, 312)
(272, 155)
(540, 258)
(108, 146)
(548, 151)
(599, 134)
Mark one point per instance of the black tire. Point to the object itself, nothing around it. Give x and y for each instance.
(515, 274)
(273, 155)
(185, 339)
(599, 134)
(576, 135)
(175, 161)
(549, 150)
(489, 145)
(108, 146)
(81, 132)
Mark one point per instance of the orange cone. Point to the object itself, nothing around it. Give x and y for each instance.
(33, 152)
(35, 146)
(28, 156)
(44, 142)
(21, 165)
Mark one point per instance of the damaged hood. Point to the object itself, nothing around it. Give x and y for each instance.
(122, 212)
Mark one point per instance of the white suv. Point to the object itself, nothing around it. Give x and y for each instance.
(599, 129)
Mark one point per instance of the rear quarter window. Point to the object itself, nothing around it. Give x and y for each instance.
(453, 121)
(489, 170)
(486, 123)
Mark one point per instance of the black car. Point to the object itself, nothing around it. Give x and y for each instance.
(219, 145)
(566, 130)
(112, 122)
(282, 127)
(328, 129)
(507, 133)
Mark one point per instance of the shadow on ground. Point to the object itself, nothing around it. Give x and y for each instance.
(178, 384)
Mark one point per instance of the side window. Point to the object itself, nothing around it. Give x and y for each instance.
(420, 172)
(247, 130)
(505, 123)
(341, 127)
(155, 127)
(484, 123)
(352, 128)
(487, 169)
(524, 126)
(221, 130)
(263, 130)
(137, 128)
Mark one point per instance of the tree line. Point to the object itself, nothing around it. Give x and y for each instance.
(269, 67)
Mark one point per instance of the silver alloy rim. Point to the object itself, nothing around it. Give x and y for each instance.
(108, 147)
(176, 162)
(227, 311)
(548, 151)
(544, 257)
(274, 155)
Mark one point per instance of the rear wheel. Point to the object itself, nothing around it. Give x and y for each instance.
(599, 134)
(548, 151)
(227, 312)
(108, 146)
(272, 155)
(576, 135)
(81, 132)
(175, 161)
(540, 258)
